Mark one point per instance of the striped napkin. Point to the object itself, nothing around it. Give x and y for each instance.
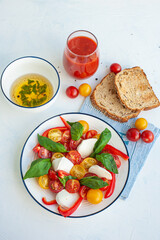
(138, 151)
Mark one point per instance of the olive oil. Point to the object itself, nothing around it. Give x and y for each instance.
(31, 90)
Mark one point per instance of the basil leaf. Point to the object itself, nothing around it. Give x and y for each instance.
(102, 141)
(108, 161)
(38, 168)
(50, 145)
(76, 131)
(65, 179)
(93, 182)
(70, 123)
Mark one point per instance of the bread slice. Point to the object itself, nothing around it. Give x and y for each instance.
(134, 90)
(105, 99)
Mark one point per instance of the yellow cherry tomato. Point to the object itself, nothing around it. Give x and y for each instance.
(96, 136)
(85, 126)
(56, 155)
(94, 196)
(55, 135)
(141, 123)
(85, 89)
(88, 162)
(43, 181)
(78, 171)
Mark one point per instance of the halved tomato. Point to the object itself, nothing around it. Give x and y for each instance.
(55, 135)
(43, 181)
(74, 144)
(89, 174)
(83, 191)
(74, 156)
(37, 148)
(117, 160)
(88, 162)
(66, 136)
(91, 134)
(72, 185)
(55, 186)
(44, 153)
(78, 171)
(56, 155)
(52, 174)
(62, 174)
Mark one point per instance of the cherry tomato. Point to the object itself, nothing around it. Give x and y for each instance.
(74, 144)
(55, 186)
(55, 135)
(133, 134)
(72, 92)
(117, 160)
(44, 153)
(78, 171)
(62, 174)
(74, 156)
(94, 196)
(85, 89)
(67, 146)
(72, 185)
(91, 134)
(43, 181)
(85, 126)
(115, 67)
(89, 174)
(147, 136)
(52, 174)
(88, 162)
(36, 148)
(66, 136)
(83, 191)
(56, 155)
(107, 181)
(141, 123)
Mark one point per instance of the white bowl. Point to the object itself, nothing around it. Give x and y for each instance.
(28, 65)
(36, 192)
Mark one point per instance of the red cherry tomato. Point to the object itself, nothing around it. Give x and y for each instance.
(74, 157)
(147, 136)
(55, 186)
(66, 136)
(52, 174)
(107, 181)
(91, 134)
(133, 134)
(72, 186)
(74, 144)
(72, 92)
(83, 191)
(62, 174)
(36, 148)
(67, 147)
(89, 174)
(115, 67)
(117, 160)
(44, 153)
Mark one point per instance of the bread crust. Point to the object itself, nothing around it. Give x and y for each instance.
(125, 102)
(107, 113)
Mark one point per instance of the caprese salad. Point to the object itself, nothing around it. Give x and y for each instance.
(76, 163)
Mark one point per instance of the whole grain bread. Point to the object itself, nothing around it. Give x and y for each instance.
(134, 90)
(105, 99)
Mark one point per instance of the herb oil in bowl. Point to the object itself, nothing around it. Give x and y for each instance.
(31, 90)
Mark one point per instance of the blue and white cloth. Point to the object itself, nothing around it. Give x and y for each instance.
(138, 151)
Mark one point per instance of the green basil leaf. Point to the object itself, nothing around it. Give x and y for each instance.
(65, 179)
(50, 145)
(76, 131)
(38, 168)
(102, 141)
(108, 161)
(70, 123)
(93, 182)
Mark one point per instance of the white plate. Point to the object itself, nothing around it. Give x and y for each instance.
(36, 192)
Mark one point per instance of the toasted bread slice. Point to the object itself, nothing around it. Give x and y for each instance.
(105, 99)
(134, 90)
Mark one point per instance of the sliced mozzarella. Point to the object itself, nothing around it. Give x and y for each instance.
(66, 199)
(62, 164)
(85, 148)
(100, 172)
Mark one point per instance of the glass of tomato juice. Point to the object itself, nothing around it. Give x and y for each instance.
(81, 54)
